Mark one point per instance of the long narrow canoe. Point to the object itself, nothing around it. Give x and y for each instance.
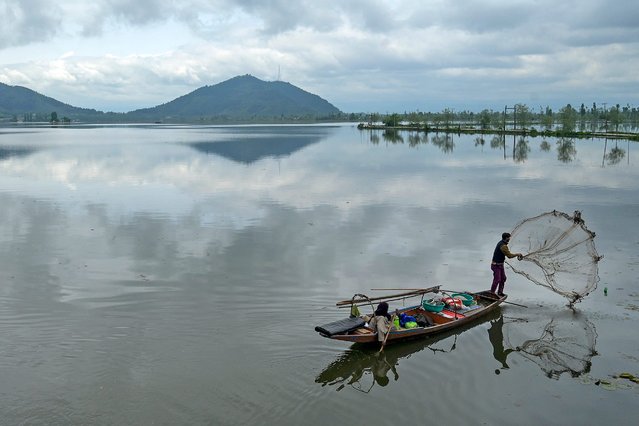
(356, 330)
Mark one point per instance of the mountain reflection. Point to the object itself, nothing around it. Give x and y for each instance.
(11, 152)
(248, 150)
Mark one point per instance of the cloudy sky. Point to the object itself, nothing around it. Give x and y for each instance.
(361, 55)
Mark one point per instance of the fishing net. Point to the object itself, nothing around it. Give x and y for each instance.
(559, 253)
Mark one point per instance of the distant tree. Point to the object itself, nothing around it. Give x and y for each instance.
(568, 118)
(523, 115)
(392, 120)
(547, 119)
(54, 117)
(448, 118)
(484, 119)
(615, 117)
(414, 118)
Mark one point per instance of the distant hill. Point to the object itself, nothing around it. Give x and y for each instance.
(239, 99)
(22, 102)
(243, 98)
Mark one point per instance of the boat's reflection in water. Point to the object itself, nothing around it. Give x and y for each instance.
(563, 344)
(356, 365)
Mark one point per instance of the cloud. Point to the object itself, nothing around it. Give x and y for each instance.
(360, 55)
(26, 22)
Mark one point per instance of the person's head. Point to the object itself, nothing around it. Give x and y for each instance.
(382, 309)
(505, 236)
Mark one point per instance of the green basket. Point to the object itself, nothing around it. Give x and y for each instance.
(433, 306)
(466, 299)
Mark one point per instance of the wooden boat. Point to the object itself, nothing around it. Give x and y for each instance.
(349, 367)
(355, 328)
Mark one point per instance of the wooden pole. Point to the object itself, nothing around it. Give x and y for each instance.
(390, 296)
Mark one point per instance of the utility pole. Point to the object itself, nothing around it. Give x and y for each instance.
(506, 108)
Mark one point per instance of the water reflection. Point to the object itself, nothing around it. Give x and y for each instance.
(392, 136)
(415, 139)
(11, 152)
(521, 151)
(444, 142)
(615, 155)
(364, 367)
(497, 142)
(249, 150)
(565, 344)
(566, 151)
(496, 337)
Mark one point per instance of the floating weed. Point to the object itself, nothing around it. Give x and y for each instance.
(629, 376)
(632, 307)
(606, 384)
(616, 382)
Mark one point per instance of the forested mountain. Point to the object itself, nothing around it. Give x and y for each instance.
(20, 103)
(240, 99)
(244, 98)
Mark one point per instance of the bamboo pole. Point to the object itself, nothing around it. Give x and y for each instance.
(389, 297)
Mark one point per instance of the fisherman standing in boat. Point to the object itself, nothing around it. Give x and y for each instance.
(380, 322)
(497, 265)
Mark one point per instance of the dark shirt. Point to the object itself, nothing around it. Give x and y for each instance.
(498, 255)
(501, 252)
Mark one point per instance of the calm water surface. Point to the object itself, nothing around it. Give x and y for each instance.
(174, 275)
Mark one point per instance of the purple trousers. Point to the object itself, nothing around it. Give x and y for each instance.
(499, 278)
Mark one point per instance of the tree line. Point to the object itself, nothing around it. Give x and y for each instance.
(519, 117)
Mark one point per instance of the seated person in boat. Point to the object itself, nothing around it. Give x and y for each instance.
(380, 322)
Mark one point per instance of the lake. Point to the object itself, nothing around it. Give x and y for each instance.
(175, 274)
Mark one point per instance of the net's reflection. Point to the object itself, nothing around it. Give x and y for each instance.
(362, 367)
(564, 344)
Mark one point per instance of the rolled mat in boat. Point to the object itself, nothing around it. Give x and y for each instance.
(341, 326)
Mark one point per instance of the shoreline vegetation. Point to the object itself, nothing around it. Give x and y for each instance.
(615, 122)
(531, 132)
(596, 121)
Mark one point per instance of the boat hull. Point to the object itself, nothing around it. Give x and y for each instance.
(444, 321)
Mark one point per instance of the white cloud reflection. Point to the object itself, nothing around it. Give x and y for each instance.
(339, 210)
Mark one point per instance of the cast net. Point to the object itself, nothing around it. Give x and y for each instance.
(559, 253)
